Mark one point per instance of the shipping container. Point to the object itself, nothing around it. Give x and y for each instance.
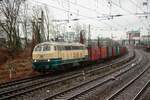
(118, 50)
(103, 53)
(109, 52)
(114, 51)
(94, 53)
(123, 50)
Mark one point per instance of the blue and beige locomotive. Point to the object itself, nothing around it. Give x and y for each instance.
(52, 56)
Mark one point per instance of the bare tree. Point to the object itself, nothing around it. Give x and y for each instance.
(25, 22)
(35, 27)
(9, 21)
(37, 24)
(77, 28)
(47, 22)
(49, 25)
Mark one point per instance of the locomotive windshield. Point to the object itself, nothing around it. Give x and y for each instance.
(44, 47)
(38, 48)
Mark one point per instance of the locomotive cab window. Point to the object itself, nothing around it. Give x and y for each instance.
(46, 47)
(38, 48)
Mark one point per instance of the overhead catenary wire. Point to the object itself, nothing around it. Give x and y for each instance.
(92, 18)
(120, 7)
(84, 7)
(128, 11)
(90, 9)
(110, 13)
(136, 5)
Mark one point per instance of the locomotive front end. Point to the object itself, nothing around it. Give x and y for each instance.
(44, 58)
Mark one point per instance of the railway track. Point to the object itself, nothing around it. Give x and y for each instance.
(141, 92)
(133, 89)
(4, 95)
(9, 85)
(25, 80)
(78, 91)
(20, 81)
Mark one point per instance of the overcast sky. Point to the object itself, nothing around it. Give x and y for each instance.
(87, 12)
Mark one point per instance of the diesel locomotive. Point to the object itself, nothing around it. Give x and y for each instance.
(55, 55)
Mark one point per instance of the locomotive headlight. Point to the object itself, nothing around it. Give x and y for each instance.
(34, 60)
(48, 60)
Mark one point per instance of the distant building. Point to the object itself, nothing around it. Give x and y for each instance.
(133, 38)
(145, 39)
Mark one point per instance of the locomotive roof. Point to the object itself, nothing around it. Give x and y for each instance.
(61, 43)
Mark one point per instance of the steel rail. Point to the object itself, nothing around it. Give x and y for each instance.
(128, 84)
(74, 95)
(38, 87)
(142, 91)
(20, 81)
